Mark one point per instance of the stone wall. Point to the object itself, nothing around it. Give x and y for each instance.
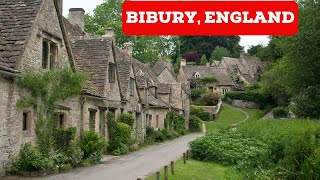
(47, 23)
(244, 104)
(161, 113)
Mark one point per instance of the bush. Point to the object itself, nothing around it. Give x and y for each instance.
(293, 145)
(253, 96)
(30, 159)
(92, 146)
(195, 110)
(210, 98)
(280, 112)
(119, 142)
(197, 92)
(63, 137)
(158, 136)
(205, 116)
(194, 124)
(67, 146)
(231, 149)
(127, 119)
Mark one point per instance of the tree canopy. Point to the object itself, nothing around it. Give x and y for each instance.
(296, 72)
(146, 48)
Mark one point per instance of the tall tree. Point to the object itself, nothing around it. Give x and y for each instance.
(218, 53)
(298, 70)
(204, 45)
(146, 48)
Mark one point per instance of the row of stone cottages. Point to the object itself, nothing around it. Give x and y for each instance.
(35, 36)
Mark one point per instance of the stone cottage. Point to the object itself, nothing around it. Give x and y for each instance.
(230, 73)
(223, 84)
(34, 36)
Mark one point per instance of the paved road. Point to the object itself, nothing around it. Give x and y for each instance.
(138, 164)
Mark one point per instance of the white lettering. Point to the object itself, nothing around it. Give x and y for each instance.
(132, 17)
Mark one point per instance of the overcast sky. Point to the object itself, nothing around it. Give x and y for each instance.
(89, 5)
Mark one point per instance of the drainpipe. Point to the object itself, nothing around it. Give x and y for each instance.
(82, 101)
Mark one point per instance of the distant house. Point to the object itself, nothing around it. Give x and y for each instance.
(228, 73)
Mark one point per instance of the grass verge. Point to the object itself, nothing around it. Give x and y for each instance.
(196, 170)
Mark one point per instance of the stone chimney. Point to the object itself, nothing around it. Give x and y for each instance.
(110, 33)
(128, 47)
(76, 17)
(60, 6)
(242, 54)
(208, 64)
(183, 62)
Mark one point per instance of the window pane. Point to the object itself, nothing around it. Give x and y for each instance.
(24, 121)
(53, 52)
(111, 73)
(131, 87)
(45, 49)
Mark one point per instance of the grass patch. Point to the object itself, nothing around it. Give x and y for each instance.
(195, 170)
(228, 116)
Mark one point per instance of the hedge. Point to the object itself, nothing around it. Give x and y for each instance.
(253, 96)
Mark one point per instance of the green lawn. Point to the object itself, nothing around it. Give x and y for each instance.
(228, 116)
(198, 170)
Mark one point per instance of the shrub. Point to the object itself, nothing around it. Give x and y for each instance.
(231, 149)
(119, 142)
(253, 96)
(280, 112)
(168, 134)
(30, 159)
(194, 124)
(92, 146)
(197, 92)
(158, 136)
(208, 79)
(195, 110)
(205, 116)
(63, 138)
(210, 98)
(292, 144)
(127, 119)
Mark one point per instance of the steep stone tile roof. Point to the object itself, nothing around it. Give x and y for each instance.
(124, 65)
(160, 65)
(92, 56)
(164, 88)
(145, 76)
(156, 102)
(16, 20)
(221, 74)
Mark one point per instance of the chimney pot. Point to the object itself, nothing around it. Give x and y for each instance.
(242, 54)
(76, 17)
(110, 33)
(183, 62)
(128, 47)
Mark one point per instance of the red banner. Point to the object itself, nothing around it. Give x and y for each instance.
(210, 18)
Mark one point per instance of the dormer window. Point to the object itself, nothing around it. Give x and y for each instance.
(197, 75)
(49, 54)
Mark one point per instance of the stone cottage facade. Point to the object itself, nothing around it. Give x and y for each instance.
(34, 36)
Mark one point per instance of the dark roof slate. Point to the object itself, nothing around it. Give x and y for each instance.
(16, 20)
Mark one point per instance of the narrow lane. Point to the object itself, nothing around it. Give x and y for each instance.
(135, 165)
